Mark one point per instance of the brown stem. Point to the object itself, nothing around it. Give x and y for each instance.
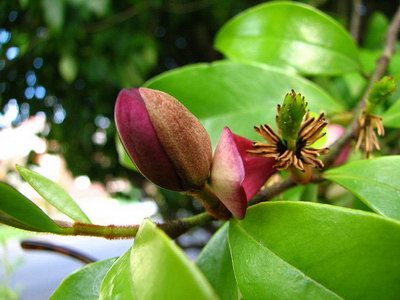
(211, 202)
(46, 246)
(356, 19)
(380, 70)
(277, 188)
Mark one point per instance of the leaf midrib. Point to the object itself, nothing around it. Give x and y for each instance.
(286, 39)
(246, 233)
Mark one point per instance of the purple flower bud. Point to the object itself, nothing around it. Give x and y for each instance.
(166, 142)
(236, 176)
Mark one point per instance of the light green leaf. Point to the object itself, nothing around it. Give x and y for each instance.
(83, 284)
(237, 95)
(376, 182)
(294, 36)
(18, 211)
(155, 268)
(54, 194)
(53, 11)
(216, 264)
(391, 118)
(117, 283)
(68, 68)
(302, 250)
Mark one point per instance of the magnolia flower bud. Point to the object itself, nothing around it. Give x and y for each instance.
(166, 142)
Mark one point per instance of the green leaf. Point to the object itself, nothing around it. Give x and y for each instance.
(18, 211)
(375, 33)
(391, 118)
(54, 194)
(376, 182)
(154, 268)
(83, 284)
(302, 250)
(53, 11)
(289, 35)
(216, 264)
(68, 68)
(117, 283)
(123, 156)
(237, 95)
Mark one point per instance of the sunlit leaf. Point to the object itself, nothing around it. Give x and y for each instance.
(54, 194)
(289, 35)
(237, 95)
(376, 182)
(155, 268)
(20, 212)
(302, 250)
(83, 284)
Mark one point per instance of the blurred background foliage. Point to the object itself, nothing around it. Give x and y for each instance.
(67, 60)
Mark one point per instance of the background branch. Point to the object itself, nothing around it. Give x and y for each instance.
(355, 21)
(380, 70)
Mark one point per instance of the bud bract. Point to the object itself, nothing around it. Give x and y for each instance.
(237, 176)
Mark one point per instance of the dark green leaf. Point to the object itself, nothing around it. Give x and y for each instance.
(54, 194)
(302, 250)
(289, 35)
(376, 182)
(216, 264)
(237, 95)
(154, 268)
(20, 212)
(83, 284)
(375, 33)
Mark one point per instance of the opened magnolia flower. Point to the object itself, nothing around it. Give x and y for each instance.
(292, 147)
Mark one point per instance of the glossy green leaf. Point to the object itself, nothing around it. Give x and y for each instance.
(289, 35)
(83, 284)
(117, 283)
(391, 118)
(216, 264)
(54, 194)
(302, 250)
(376, 182)
(237, 95)
(155, 268)
(18, 211)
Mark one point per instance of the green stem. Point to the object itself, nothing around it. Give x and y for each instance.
(173, 228)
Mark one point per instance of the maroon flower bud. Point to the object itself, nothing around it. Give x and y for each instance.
(237, 176)
(166, 142)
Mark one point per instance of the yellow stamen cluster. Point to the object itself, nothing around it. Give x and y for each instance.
(366, 136)
(303, 155)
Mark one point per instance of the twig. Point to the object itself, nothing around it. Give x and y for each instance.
(380, 70)
(173, 228)
(356, 19)
(113, 20)
(278, 188)
(37, 245)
